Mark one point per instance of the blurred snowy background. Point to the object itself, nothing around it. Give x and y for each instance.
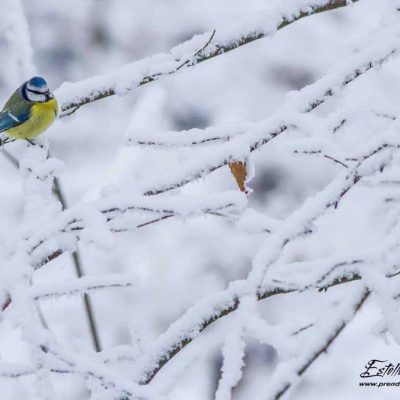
(178, 262)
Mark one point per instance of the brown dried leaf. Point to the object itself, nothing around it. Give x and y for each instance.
(239, 171)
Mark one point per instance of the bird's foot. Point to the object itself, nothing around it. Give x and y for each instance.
(6, 140)
(33, 143)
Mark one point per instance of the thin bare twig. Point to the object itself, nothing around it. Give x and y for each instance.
(324, 348)
(87, 303)
(197, 53)
(320, 153)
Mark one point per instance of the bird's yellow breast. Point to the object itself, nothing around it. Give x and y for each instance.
(42, 116)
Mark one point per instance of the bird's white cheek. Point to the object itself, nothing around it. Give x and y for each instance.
(33, 97)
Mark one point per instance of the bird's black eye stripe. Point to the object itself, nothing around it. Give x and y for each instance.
(35, 91)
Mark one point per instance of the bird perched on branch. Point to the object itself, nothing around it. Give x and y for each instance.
(29, 111)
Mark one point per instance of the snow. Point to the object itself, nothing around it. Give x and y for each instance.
(195, 289)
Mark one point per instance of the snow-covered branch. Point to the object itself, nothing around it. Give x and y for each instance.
(120, 215)
(197, 50)
(287, 116)
(205, 313)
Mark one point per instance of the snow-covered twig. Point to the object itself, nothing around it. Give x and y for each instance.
(12, 371)
(231, 371)
(82, 285)
(187, 138)
(319, 346)
(322, 154)
(82, 365)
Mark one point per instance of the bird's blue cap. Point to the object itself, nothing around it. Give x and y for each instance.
(37, 82)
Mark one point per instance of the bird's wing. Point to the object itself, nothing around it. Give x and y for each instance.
(8, 120)
(15, 112)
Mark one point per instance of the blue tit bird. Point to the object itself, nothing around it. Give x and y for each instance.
(30, 110)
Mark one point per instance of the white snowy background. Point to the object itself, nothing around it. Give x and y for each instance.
(323, 206)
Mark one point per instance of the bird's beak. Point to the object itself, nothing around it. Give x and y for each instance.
(49, 95)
